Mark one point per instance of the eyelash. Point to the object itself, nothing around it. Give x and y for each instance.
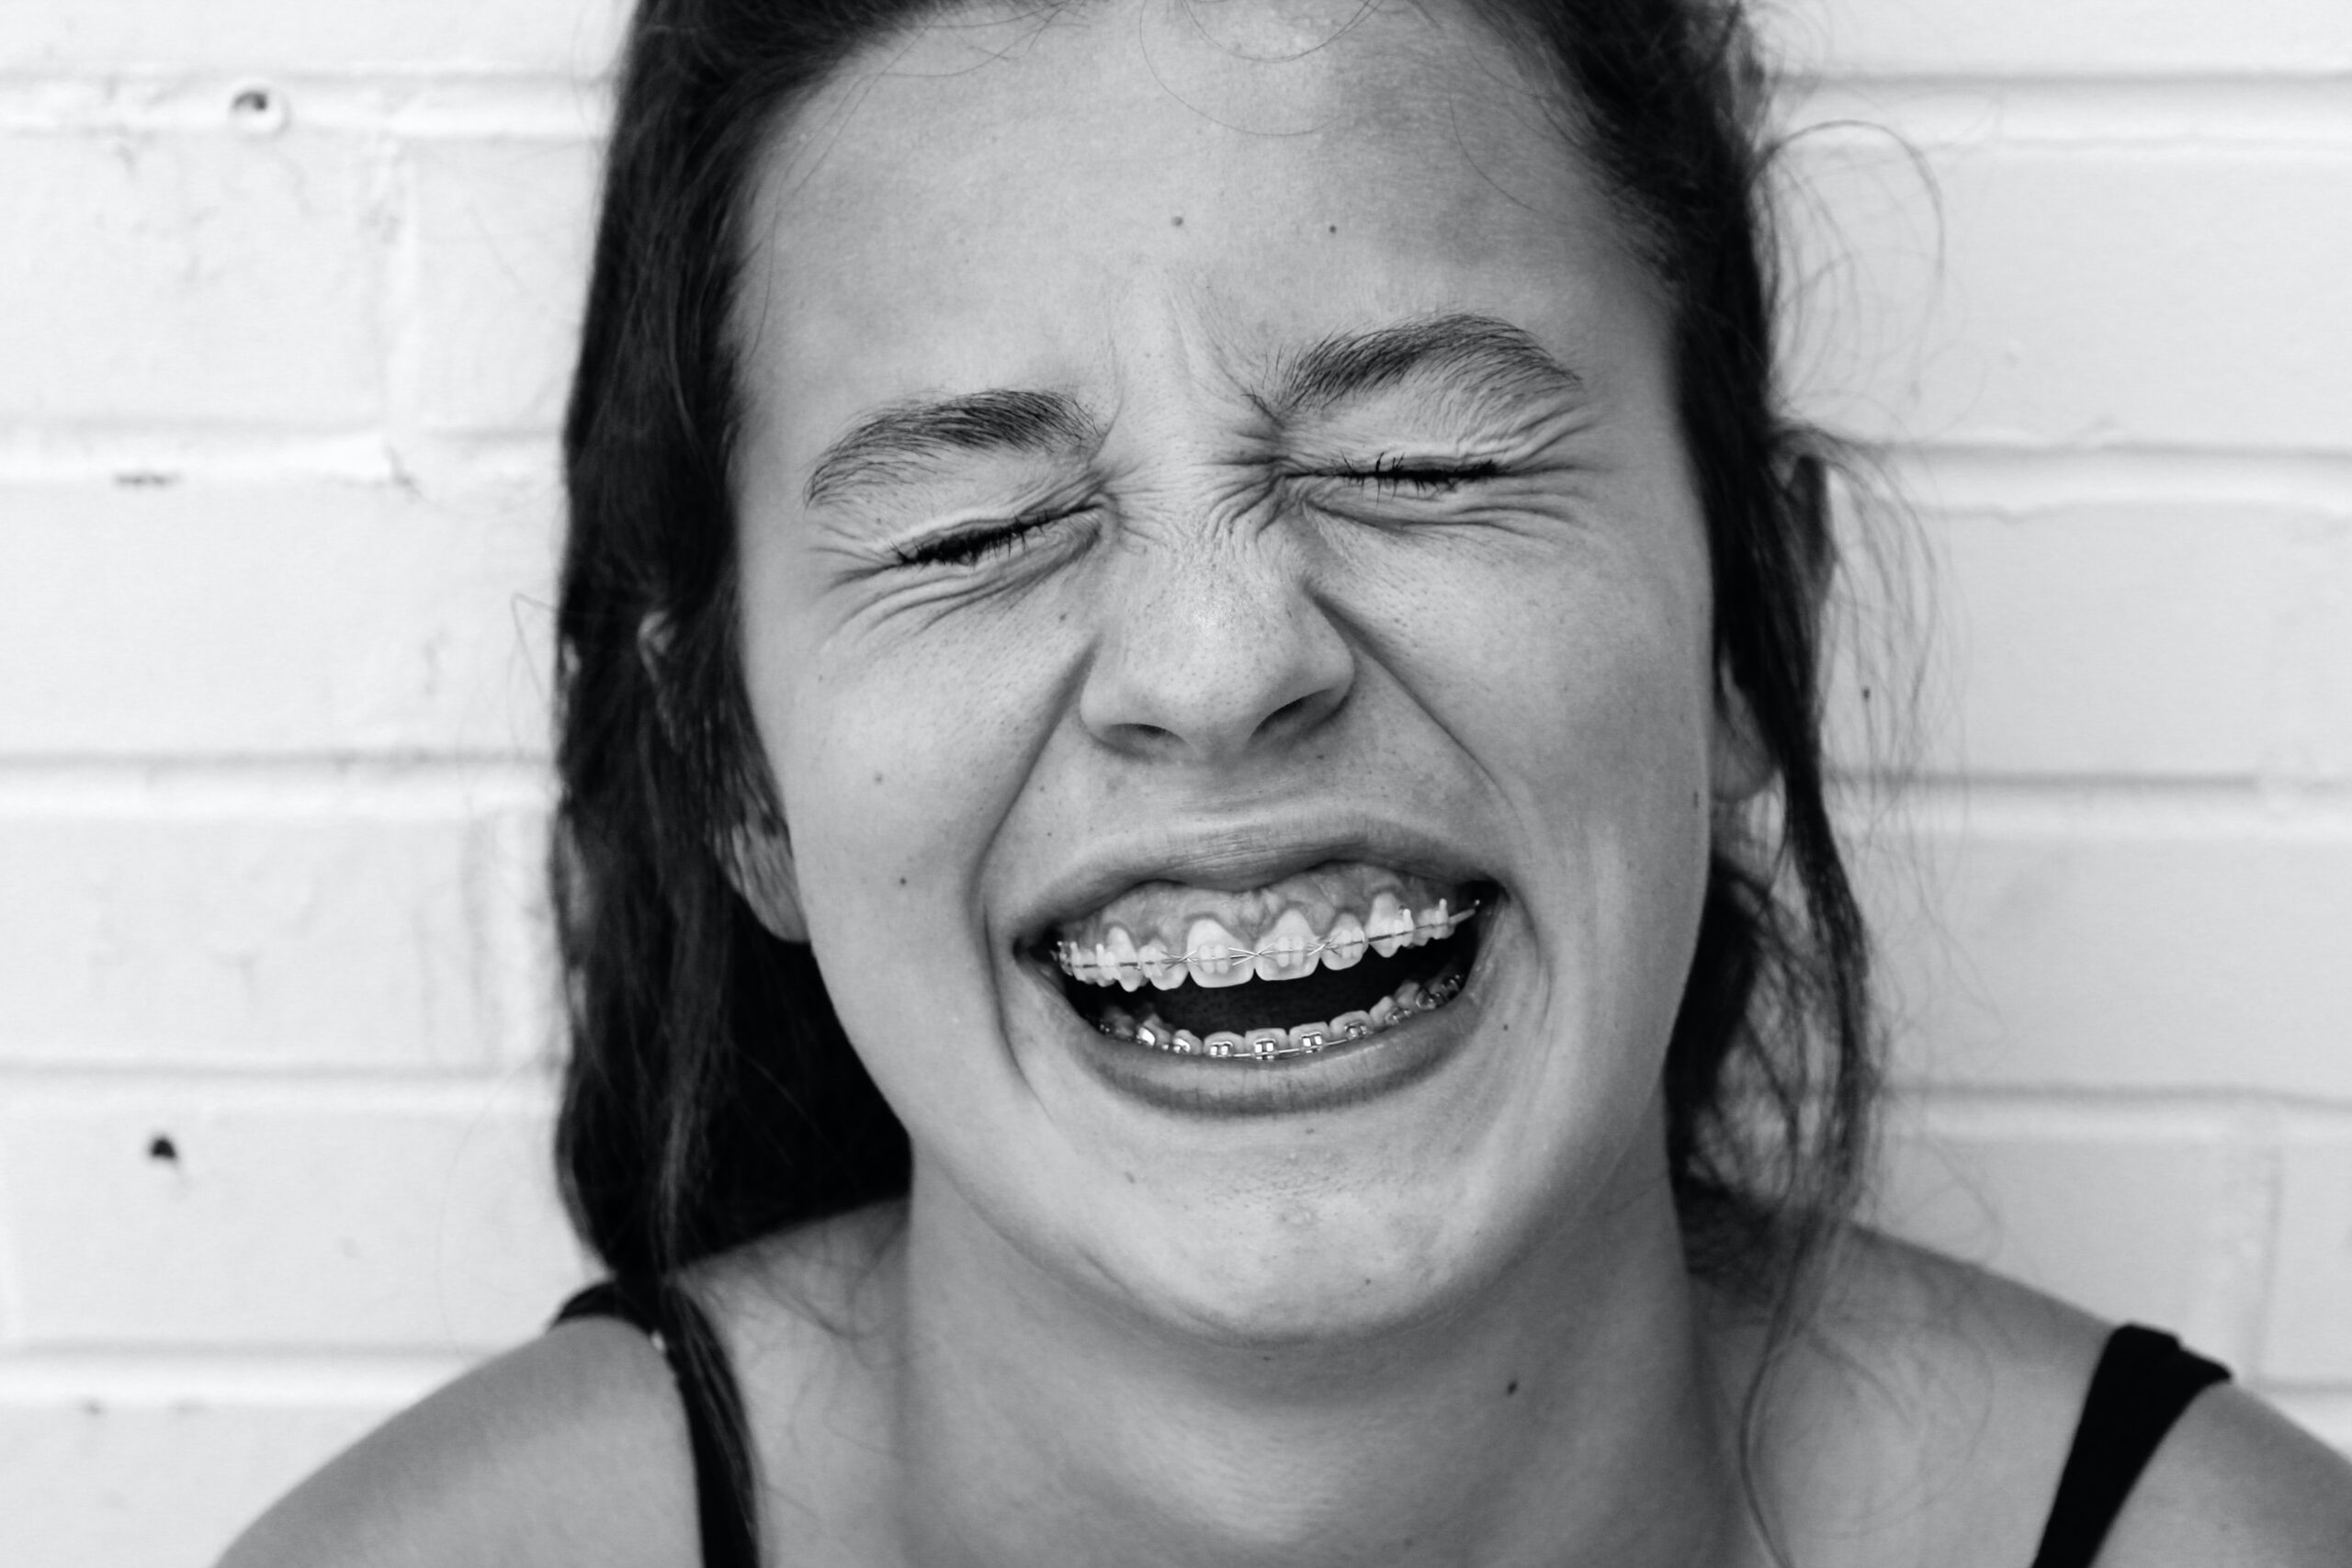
(1390, 476)
(974, 546)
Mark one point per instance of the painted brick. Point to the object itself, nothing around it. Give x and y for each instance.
(2097, 296)
(2136, 265)
(2311, 739)
(2155, 638)
(225, 618)
(2127, 642)
(566, 36)
(501, 234)
(212, 279)
(2101, 948)
(2146, 1224)
(254, 932)
(2308, 1335)
(93, 1486)
(376, 1220)
(1943, 37)
(1901, 36)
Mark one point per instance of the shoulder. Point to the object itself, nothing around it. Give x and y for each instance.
(1922, 1415)
(1948, 1398)
(570, 1449)
(2235, 1482)
(812, 1325)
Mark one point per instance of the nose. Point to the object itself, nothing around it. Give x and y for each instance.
(1213, 654)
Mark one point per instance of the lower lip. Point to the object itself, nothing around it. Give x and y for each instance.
(1396, 1058)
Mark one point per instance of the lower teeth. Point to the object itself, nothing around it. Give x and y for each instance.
(1302, 1040)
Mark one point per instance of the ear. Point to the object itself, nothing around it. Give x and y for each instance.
(758, 861)
(1739, 764)
(755, 856)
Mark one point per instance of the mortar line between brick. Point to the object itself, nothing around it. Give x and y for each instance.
(1966, 113)
(173, 1376)
(453, 101)
(2254, 1116)
(523, 1092)
(105, 786)
(2093, 804)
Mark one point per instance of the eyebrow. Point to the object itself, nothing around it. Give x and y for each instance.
(892, 444)
(1478, 356)
(1472, 356)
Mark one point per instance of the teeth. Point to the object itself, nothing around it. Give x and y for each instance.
(1160, 968)
(1343, 949)
(1214, 956)
(1301, 1040)
(1389, 925)
(1290, 949)
(1122, 959)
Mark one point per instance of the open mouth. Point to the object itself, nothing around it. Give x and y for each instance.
(1336, 954)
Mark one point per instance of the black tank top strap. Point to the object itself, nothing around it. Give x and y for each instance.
(715, 1432)
(2143, 1381)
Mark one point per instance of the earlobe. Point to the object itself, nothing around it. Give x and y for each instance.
(1739, 765)
(757, 856)
(759, 865)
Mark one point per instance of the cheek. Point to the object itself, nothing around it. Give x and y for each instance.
(1604, 716)
(897, 749)
(1599, 744)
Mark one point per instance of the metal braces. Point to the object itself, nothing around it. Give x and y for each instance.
(1066, 953)
(1302, 1040)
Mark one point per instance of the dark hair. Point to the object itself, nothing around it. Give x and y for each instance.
(710, 1097)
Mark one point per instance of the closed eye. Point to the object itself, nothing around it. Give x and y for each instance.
(1415, 477)
(971, 547)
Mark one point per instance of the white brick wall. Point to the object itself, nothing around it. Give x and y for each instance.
(277, 518)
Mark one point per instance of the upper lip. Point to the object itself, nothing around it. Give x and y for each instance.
(1236, 855)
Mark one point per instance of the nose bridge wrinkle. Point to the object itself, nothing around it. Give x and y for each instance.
(1213, 646)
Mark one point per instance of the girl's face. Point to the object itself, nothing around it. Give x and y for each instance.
(1212, 485)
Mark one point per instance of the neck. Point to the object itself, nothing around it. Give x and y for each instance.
(1569, 1415)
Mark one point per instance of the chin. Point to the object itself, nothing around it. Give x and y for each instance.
(1304, 1270)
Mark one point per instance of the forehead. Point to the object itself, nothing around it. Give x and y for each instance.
(993, 200)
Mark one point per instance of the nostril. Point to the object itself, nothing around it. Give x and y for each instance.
(1144, 739)
(1305, 713)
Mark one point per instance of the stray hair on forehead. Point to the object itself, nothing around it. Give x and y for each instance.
(710, 1096)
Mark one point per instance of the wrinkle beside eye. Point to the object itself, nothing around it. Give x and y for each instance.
(916, 526)
(1426, 432)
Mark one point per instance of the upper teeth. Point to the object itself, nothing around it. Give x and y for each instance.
(1214, 956)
